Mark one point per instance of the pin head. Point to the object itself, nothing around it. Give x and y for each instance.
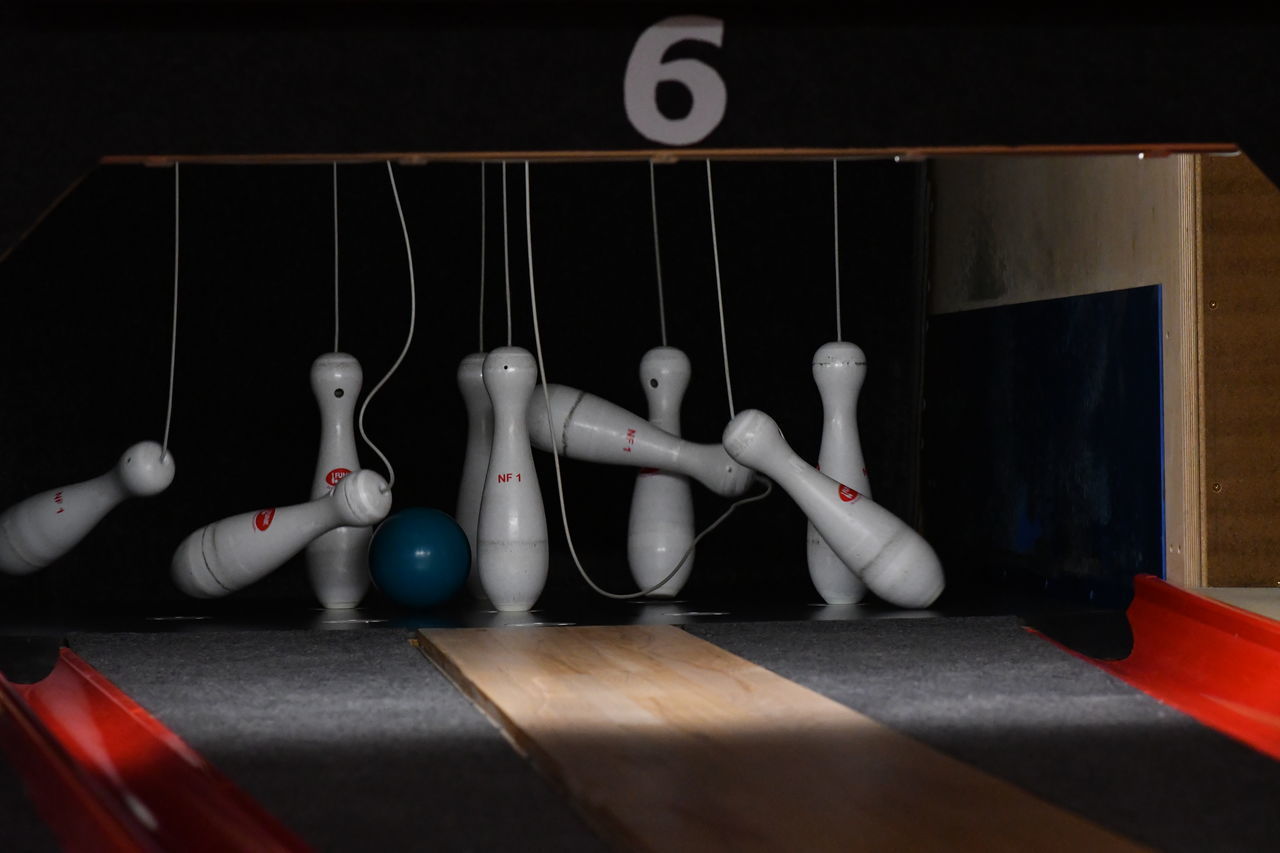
(753, 438)
(364, 497)
(471, 369)
(146, 469)
(839, 364)
(336, 375)
(509, 368)
(665, 371)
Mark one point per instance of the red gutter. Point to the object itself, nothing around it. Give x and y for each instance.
(106, 775)
(1215, 662)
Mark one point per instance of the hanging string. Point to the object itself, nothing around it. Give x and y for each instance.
(173, 342)
(715, 251)
(657, 255)
(835, 218)
(413, 318)
(336, 314)
(555, 452)
(506, 265)
(483, 229)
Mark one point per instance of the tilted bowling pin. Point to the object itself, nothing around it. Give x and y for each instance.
(838, 370)
(893, 560)
(43, 527)
(661, 526)
(338, 561)
(512, 528)
(595, 430)
(232, 553)
(475, 462)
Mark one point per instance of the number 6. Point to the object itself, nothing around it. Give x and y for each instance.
(645, 70)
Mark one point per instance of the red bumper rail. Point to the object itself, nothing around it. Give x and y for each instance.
(106, 775)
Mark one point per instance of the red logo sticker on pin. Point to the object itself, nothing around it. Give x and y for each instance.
(336, 475)
(847, 494)
(650, 471)
(263, 519)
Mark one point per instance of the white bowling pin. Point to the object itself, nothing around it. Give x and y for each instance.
(838, 370)
(660, 529)
(338, 561)
(512, 529)
(595, 430)
(43, 527)
(232, 553)
(892, 559)
(475, 463)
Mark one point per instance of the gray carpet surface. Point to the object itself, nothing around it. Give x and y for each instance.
(988, 692)
(352, 739)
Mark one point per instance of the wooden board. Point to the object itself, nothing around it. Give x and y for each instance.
(667, 742)
(1241, 311)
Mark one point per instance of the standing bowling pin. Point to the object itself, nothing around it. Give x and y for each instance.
(892, 559)
(589, 428)
(476, 461)
(232, 553)
(338, 561)
(43, 527)
(661, 526)
(838, 370)
(512, 529)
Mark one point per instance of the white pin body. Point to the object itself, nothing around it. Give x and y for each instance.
(338, 561)
(43, 527)
(230, 554)
(589, 428)
(839, 369)
(894, 561)
(475, 463)
(660, 528)
(511, 533)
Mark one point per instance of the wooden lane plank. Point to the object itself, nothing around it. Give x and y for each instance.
(667, 742)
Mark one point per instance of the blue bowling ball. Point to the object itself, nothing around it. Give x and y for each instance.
(419, 557)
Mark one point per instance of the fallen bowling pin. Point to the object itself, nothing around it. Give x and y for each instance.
(338, 561)
(894, 561)
(839, 369)
(43, 527)
(475, 461)
(589, 428)
(227, 555)
(660, 529)
(511, 531)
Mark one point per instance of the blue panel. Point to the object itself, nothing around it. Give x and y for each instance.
(1043, 457)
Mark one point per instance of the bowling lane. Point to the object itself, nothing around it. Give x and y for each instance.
(984, 690)
(350, 738)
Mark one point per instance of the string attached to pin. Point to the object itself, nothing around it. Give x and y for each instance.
(506, 265)
(413, 318)
(715, 252)
(336, 313)
(483, 230)
(173, 342)
(555, 453)
(835, 219)
(657, 255)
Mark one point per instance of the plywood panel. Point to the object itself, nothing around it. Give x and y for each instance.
(1013, 230)
(667, 742)
(1241, 310)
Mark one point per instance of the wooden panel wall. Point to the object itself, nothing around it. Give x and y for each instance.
(1020, 229)
(1241, 310)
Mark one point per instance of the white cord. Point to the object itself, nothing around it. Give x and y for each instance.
(555, 453)
(835, 218)
(413, 318)
(506, 266)
(173, 343)
(657, 255)
(336, 314)
(483, 229)
(715, 250)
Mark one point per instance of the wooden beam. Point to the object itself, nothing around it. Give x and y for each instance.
(666, 742)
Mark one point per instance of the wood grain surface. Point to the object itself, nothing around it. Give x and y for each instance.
(667, 742)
